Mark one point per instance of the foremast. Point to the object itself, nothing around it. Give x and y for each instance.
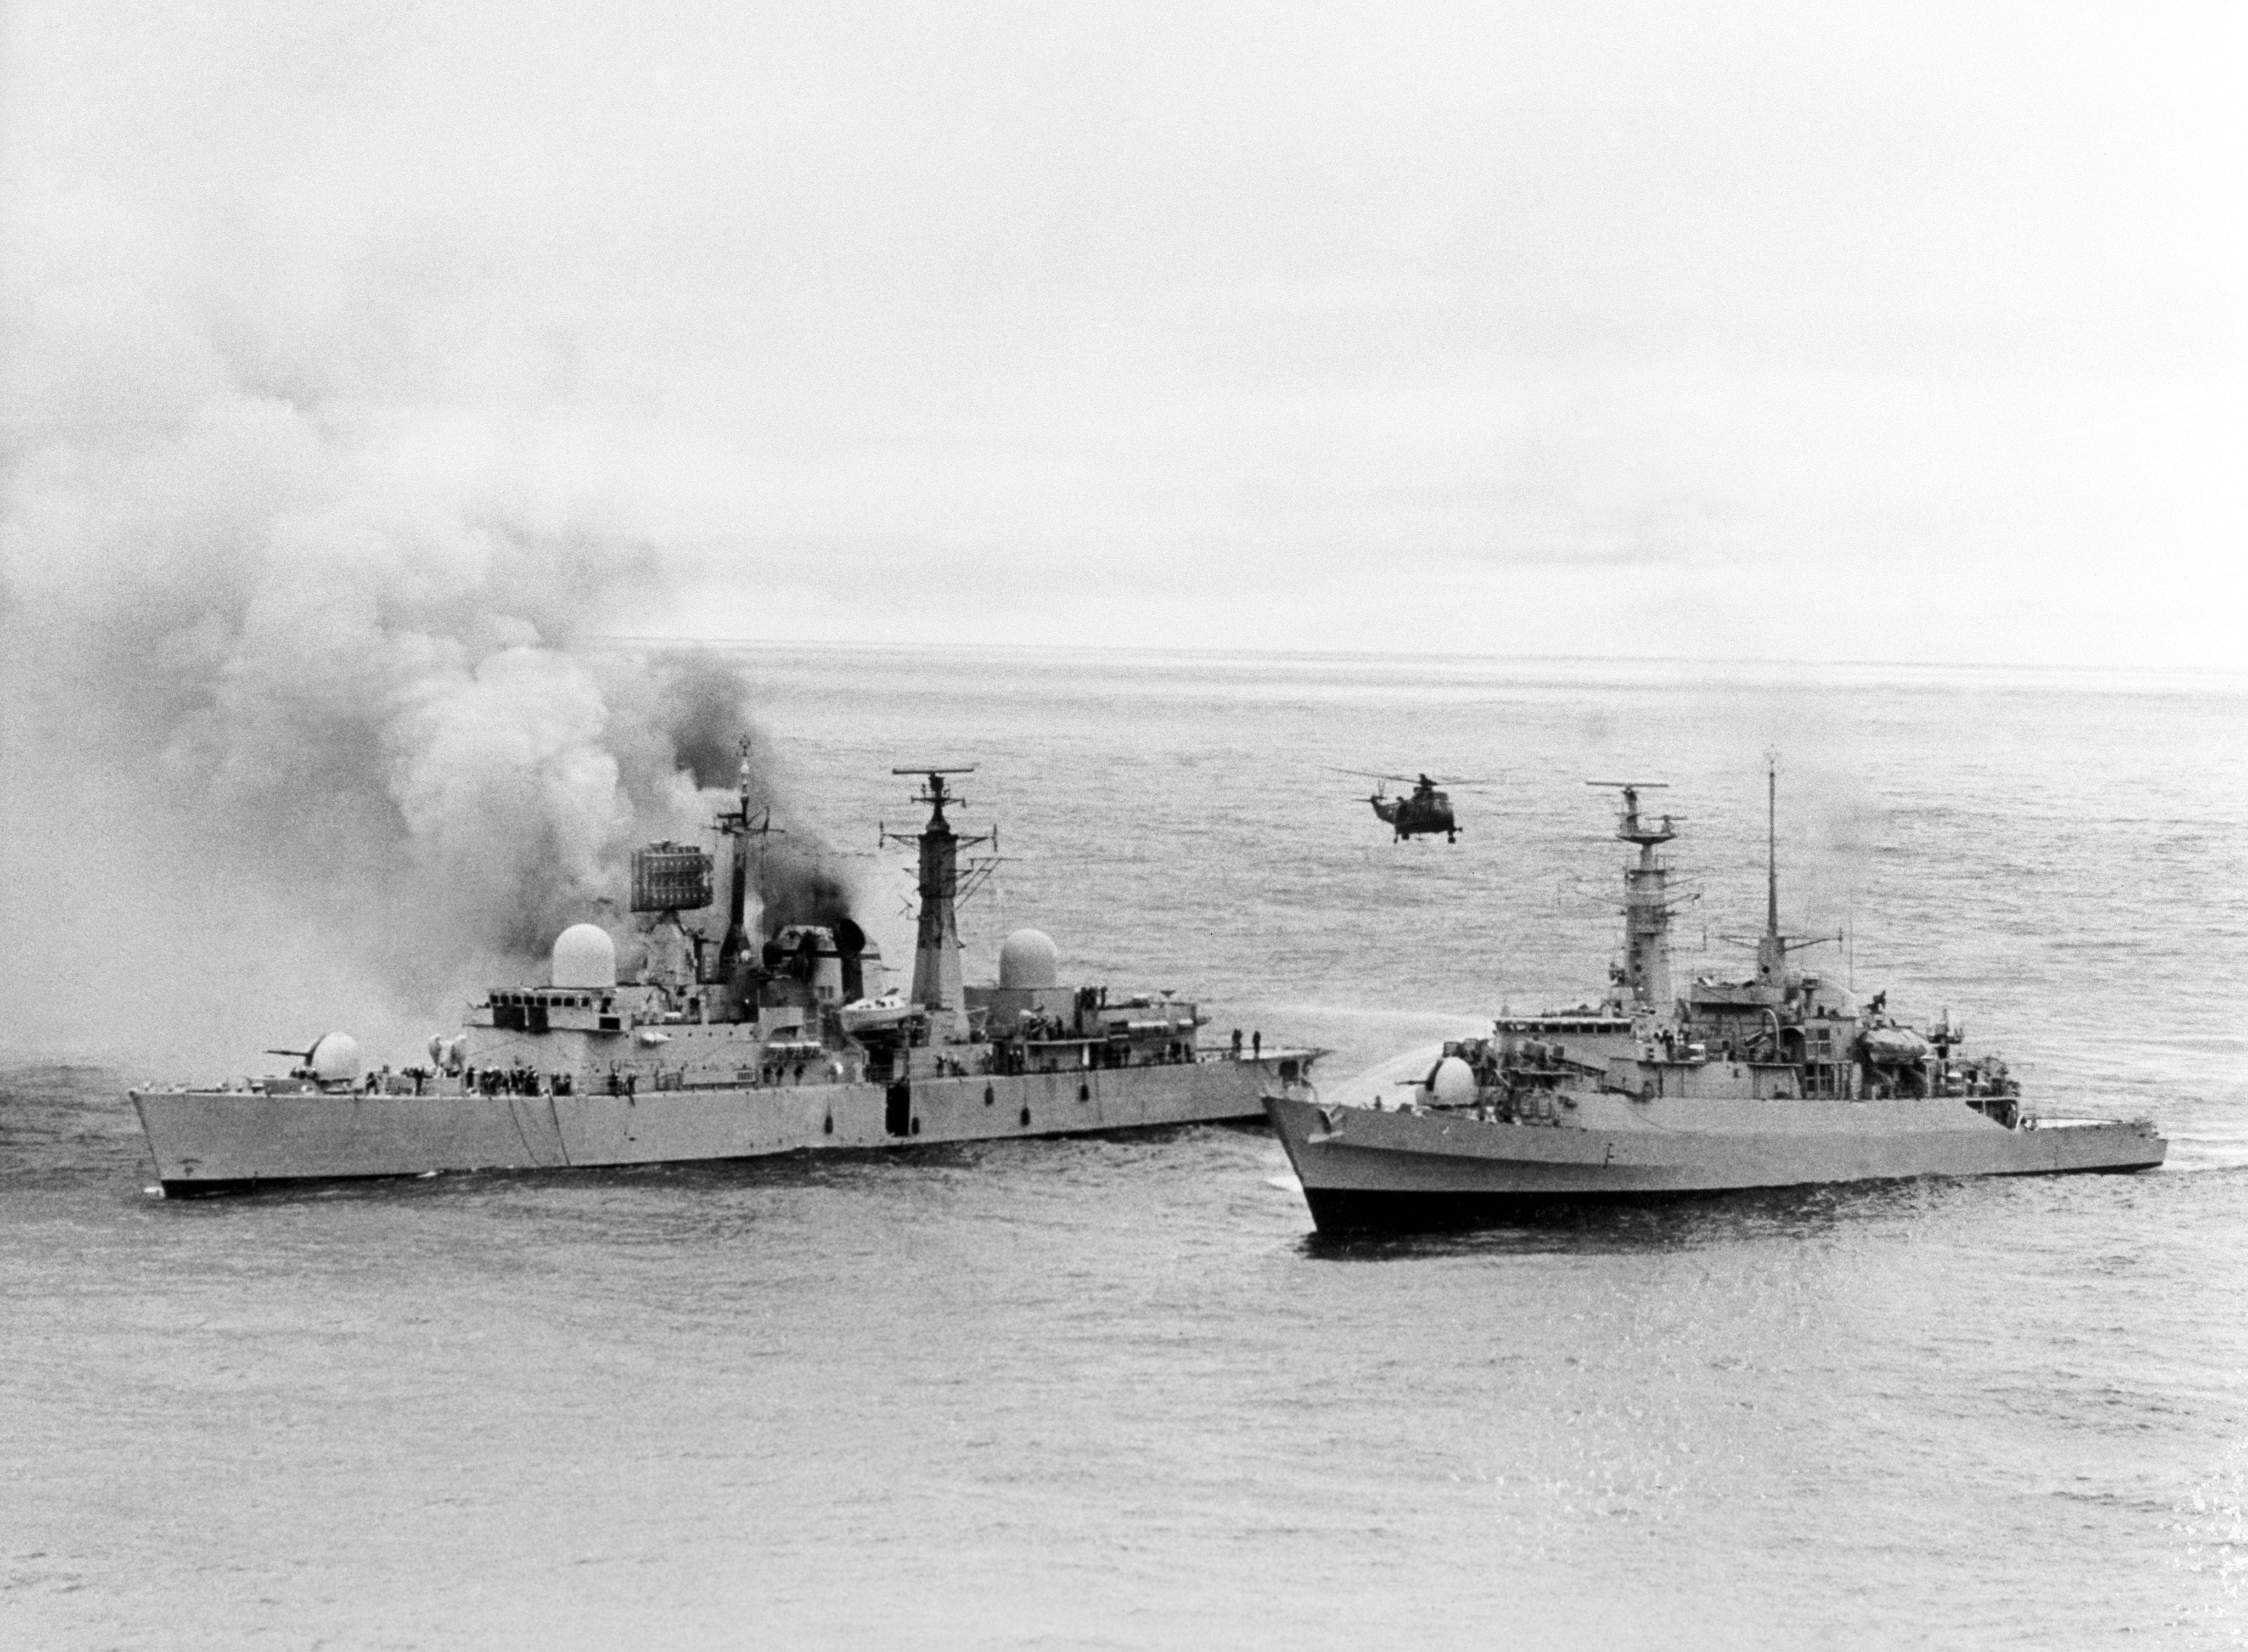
(936, 984)
(735, 952)
(1646, 903)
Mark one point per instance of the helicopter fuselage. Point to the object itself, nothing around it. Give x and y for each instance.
(1421, 814)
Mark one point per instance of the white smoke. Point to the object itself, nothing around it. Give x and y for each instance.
(299, 724)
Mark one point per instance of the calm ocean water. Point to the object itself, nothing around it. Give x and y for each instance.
(1113, 1393)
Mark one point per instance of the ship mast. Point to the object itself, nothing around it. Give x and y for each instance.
(1772, 946)
(736, 823)
(936, 944)
(1646, 903)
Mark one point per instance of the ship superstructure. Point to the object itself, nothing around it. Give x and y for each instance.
(1781, 1078)
(740, 1049)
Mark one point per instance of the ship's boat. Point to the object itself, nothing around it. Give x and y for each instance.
(875, 1015)
(1783, 1079)
(735, 1051)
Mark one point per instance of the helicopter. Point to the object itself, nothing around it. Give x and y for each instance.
(1424, 810)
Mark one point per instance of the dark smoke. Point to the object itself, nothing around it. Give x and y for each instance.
(706, 714)
(797, 892)
(697, 704)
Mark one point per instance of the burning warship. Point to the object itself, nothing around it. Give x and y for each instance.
(735, 1050)
(1779, 1081)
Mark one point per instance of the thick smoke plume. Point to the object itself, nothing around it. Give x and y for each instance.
(700, 706)
(418, 787)
(306, 717)
(424, 785)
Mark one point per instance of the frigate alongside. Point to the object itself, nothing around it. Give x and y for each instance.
(1780, 1080)
(755, 1050)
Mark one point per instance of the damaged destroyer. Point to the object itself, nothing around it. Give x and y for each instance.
(1779, 1081)
(738, 1050)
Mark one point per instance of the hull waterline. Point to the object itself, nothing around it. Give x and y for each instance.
(208, 1142)
(735, 1050)
(1779, 1079)
(1366, 1170)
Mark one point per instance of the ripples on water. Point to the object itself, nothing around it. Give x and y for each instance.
(1114, 1393)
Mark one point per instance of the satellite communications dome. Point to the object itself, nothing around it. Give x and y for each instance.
(1452, 1084)
(584, 956)
(335, 1059)
(1027, 959)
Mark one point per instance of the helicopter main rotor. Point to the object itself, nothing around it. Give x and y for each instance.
(1408, 779)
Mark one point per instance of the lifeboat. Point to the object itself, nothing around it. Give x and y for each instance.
(871, 1014)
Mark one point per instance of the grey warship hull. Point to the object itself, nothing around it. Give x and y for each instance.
(1364, 1169)
(757, 1051)
(230, 1141)
(1782, 1080)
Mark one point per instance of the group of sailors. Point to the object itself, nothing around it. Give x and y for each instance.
(385, 1082)
(515, 1080)
(1010, 1057)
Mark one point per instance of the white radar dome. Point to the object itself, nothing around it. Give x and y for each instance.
(584, 956)
(335, 1059)
(1452, 1083)
(1027, 959)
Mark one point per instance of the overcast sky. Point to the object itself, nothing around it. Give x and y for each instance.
(1911, 332)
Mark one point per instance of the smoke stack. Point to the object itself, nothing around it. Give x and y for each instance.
(851, 941)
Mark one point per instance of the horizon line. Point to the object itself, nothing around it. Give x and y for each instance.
(869, 645)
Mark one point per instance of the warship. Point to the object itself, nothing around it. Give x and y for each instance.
(1779, 1081)
(735, 1051)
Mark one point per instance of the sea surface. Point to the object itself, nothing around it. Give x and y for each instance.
(1114, 1393)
